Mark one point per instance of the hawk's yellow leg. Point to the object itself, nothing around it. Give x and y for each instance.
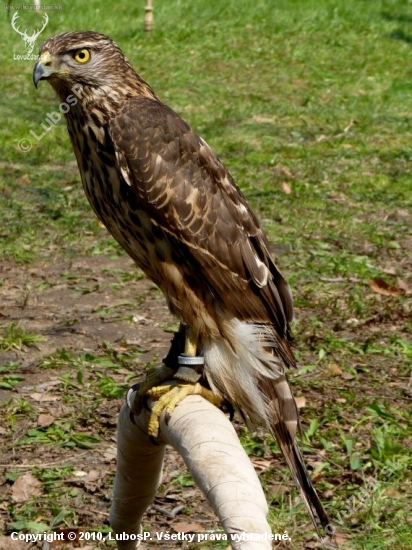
(190, 344)
(168, 395)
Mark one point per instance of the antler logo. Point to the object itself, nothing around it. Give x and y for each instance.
(29, 40)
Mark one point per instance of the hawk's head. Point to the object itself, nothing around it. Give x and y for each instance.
(87, 58)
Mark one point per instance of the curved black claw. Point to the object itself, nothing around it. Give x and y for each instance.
(129, 393)
(168, 416)
(227, 408)
(136, 405)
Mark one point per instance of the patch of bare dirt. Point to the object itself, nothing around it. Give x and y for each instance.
(64, 302)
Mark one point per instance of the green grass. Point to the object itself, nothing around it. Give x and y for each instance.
(309, 105)
(15, 337)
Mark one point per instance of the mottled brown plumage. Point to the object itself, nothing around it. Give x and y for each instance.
(172, 205)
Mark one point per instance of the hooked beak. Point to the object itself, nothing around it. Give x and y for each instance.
(42, 70)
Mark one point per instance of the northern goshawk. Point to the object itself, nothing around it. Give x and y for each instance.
(167, 199)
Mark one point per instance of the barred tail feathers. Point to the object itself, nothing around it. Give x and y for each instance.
(294, 459)
(241, 367)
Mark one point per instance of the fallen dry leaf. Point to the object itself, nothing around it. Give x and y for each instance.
(281, 171)
(311, 545)
(94, 479)
(342, 538)
(347, 376)
(403, 286)
(45, 420)
(93, 475)
(26, 486)
(334, 369)
(261, 464)
(110, 454)
(380, 286)
(185, 527)
(286, 188)
(190, 493)
(43, 397)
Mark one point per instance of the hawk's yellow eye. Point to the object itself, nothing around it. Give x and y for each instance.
(82, 56)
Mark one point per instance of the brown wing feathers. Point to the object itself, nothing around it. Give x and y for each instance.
(202, 208)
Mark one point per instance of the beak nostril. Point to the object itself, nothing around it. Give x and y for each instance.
(46, 59)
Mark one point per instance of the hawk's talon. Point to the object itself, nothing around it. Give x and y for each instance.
(227, 408)
(129, 393)
(167, 386)
(153, 378)
(169, 396)
(153, 440)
